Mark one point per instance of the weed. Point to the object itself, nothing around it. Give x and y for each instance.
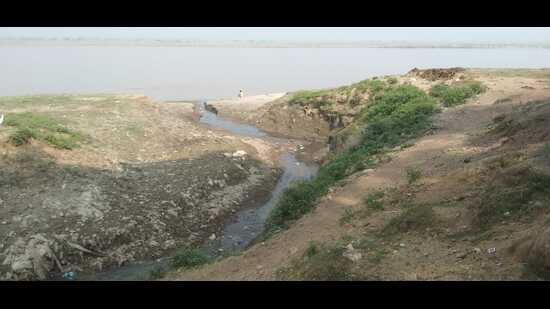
(189, 258)
(347, 217)
(311, 250)
(373, 200)
(413, 175)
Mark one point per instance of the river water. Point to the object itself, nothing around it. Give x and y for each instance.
(185, 73)
(245, 225)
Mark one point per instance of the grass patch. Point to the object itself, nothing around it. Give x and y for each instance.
(458, 93)
(303, 97)
(393, 117)
(20, 137)
(414, 218)
(41, 127)
(413, 175)
(546, 150)
(318, 263)
(347, 217)
(188, 258)
(373, 85)
(372, 201)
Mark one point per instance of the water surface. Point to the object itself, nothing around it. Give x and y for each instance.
(179, 73)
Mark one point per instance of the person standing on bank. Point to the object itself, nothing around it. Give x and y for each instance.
(241, 94)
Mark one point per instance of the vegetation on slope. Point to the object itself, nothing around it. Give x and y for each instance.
(456, 94)
(393, 116)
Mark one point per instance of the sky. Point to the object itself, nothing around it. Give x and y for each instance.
(411, 34)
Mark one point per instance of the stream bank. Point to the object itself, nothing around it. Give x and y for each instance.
(238, 230)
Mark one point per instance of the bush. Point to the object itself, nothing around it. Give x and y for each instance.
(189, 258)
(394, 116)
(458, 93)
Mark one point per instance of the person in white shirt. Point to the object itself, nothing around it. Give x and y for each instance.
(241, 94)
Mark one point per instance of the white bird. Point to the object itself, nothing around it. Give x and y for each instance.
(1, 118)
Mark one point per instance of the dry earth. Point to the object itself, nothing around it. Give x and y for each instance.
(457, 163)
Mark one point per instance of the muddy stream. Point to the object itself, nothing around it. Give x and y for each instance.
(240, 229)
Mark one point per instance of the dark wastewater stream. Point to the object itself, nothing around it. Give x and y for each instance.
(242, 228)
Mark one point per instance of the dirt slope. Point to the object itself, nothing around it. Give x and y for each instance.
(457, 165)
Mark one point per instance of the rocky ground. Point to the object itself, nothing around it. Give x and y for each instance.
(477, 210)
(146, 180)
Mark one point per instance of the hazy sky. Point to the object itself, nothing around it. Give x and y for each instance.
(474, 34)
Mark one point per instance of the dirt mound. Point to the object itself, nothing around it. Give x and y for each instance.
(436, 74)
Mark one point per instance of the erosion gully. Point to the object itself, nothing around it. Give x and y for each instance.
(245, 225)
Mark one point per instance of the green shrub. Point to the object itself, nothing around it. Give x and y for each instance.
(546, 150)
(189, 258)
(456, 94)
(311, 250)
(393, 116)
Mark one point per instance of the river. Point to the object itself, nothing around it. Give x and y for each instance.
(178, 73)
